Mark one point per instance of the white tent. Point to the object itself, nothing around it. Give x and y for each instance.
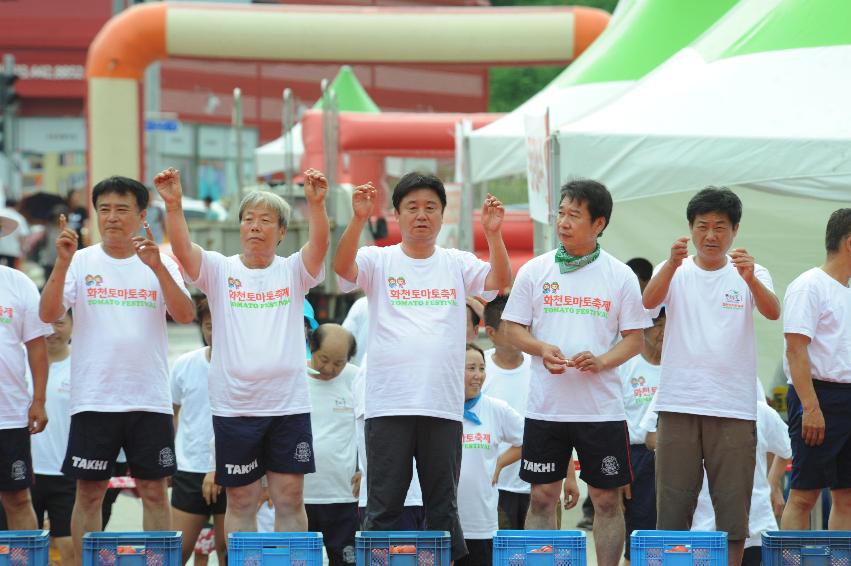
(270, 158)
(641, 35)
(743, 106)
(760, 104)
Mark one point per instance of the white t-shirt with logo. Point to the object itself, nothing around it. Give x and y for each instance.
(414, 496)
(709, 352)
(19, 323)
(819, 307)
(120, 360)
(481, 446)
(772, 436)
(49, 446)
(258, 362)
(189, 389)
(584, 310)
(357, 322)
(640, 381)
(332, 421)
(417, 328)
(511, 386)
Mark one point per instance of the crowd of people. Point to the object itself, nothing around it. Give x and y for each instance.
(643, 379)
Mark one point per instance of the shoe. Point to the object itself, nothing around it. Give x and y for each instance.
(586, 524)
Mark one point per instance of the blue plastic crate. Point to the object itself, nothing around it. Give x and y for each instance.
(383, 548)
(539, 548)
(678, 548)
(279, 549)
(810, 548)
(152, 548)
(24, 548)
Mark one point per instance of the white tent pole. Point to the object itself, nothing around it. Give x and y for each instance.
(547, 241)
(287, 119)
(465, 223)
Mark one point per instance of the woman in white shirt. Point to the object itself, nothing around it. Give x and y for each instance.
(488, 422)
(195, 497)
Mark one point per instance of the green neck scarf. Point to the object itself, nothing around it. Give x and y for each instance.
(567, 263)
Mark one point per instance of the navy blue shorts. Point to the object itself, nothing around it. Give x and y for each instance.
(828, 465)
(248, 447)
(15, 459)
(96, 439)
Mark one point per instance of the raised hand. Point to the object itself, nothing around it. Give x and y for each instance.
(363, 200)
(66, 242)
(493, 214)
(679, 251)
(744, 263)
(168, 186)
(315, 186)
(147, 249)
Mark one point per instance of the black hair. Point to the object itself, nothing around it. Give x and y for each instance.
(471, 346)
(474, 316)
(838, 228)
(595, 195)
(493, 311)
(316, 337)
(122, 186)
(715, 199)
(202, 309)
(410, 182)
(642, 268)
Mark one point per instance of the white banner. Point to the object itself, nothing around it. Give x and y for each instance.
(537, 165)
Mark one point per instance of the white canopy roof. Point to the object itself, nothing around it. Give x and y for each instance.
(270, 157)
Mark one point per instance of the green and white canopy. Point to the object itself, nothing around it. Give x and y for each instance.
(762, 100)
(641, 35)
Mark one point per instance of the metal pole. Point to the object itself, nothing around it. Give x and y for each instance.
(8, 115)
(465, 225)
(237, 128)
(555, 188)
(288, 122)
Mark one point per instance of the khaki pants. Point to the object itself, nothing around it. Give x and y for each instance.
(685, 445)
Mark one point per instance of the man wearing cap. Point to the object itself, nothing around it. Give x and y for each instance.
(20, 415)
(258, 393)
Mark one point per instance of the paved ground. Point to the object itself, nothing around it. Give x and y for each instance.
(127, 513)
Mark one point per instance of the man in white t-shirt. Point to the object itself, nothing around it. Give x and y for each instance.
(508, 372)
(331, 494)
(21, 339)
(706, 398)
(416, 294)
(53, 493)
(120, 292)
(258, 394)
(577, 311)
(817, 326)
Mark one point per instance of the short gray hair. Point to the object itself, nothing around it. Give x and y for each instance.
(268, 200)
